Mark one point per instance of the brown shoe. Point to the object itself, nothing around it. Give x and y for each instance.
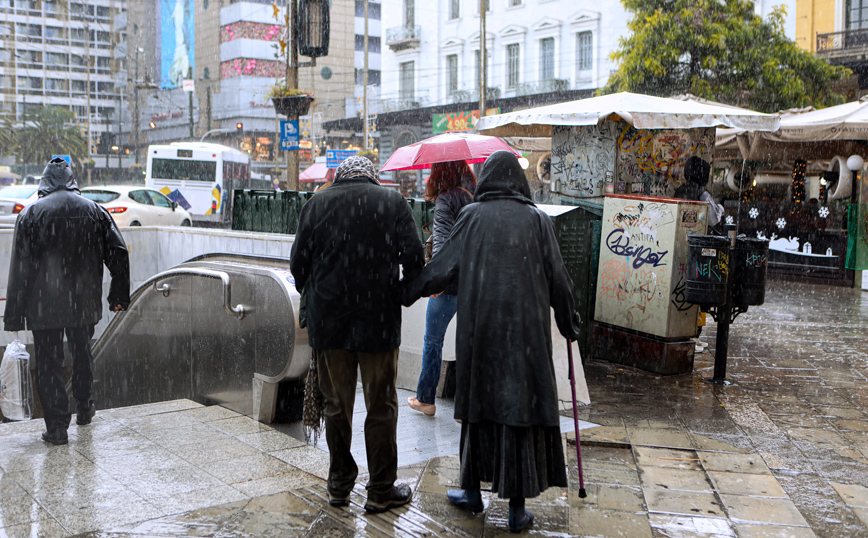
(427, 409)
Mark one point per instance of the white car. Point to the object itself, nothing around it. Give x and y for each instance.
(134, 205)
(13, 199)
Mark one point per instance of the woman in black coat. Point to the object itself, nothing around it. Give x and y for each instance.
(511, 274)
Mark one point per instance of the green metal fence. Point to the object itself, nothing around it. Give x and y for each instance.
(277, 212)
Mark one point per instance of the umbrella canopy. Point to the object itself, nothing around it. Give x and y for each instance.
(316, 172)
(804, 133)
(640, 111)
(473, 148)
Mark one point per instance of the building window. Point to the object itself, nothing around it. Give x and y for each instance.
(584, 51)
(373, 10)
(409, 12)
(857, 14)
(476, 73)
(373, 43)
(373, 77)
(407, 83)
(513, 3)
(454, 9)
(451, 73)
(512, 65)
(547, 58)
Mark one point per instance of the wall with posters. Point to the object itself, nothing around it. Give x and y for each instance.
(177, 39)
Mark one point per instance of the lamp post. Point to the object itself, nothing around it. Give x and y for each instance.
(136, 104)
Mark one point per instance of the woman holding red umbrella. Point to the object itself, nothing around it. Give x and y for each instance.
(450, 187)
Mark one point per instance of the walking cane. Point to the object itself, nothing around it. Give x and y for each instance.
(582, 492)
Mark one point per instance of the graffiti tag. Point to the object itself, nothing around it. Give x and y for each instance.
(618, 244)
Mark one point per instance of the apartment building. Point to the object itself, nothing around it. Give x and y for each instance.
(837, 30)
(69, 54)
(233, 53)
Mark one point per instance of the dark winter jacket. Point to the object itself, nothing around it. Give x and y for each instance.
(511, 275)
(352, 241)
(446, 209)
(60, 244)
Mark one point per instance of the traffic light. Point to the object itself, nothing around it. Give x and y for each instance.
(239, 127)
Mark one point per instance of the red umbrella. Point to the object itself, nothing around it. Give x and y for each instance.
(473, 148)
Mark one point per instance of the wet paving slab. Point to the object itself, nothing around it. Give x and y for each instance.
(782, 451)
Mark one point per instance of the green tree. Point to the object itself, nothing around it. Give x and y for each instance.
(47, 131)
(8, 145)
(722, 51)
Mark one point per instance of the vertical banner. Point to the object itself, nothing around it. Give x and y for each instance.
(177, 42)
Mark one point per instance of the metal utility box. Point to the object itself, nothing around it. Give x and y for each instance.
(642, 273)
(578, 231)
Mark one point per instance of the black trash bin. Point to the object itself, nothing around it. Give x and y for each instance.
(707, 269)
(750, 260)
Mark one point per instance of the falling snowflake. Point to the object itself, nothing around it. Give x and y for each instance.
(781, 223)
(754, 213)
(824, 212)
(730, 220)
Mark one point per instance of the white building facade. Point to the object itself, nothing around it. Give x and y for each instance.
(533, 46)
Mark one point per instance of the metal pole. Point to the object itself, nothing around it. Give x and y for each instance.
(136, 119)
(365, 78)
(724, 313)
(120, 129)
(87, 113)
(191, 105)
(483, 55)
(292, 82)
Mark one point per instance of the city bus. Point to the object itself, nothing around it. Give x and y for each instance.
(200, 177)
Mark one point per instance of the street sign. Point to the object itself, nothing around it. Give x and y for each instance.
(334, 157)
(188, 84)
(66, 158)
(289, 135)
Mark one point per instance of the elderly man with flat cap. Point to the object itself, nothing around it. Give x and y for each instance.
(353, 241)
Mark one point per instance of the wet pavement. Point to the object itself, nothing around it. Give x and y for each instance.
(782, 451)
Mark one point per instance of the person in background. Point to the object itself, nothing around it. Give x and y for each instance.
(450, 187)
(696, 174)
(503, 252)
(60, 245)
(354, 239)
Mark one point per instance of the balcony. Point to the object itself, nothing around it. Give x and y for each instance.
(841, 45)
(467, 96)
(420, 99)
(403, 37)
(543, 86)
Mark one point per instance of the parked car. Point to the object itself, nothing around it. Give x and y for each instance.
(13, 199)
(134, 205)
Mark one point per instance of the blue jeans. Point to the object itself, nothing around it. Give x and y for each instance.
(440, 311)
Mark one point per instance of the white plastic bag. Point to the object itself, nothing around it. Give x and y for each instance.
(16, 391)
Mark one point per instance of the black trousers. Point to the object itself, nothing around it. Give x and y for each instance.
(337, 381)
(48, 347)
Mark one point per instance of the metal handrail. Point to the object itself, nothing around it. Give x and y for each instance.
(238, 310)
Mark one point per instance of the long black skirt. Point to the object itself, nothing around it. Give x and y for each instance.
(519, 462)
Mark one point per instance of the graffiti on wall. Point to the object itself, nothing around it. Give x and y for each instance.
(652, 161)
(633, 161)
(582, 158)
(630, 276)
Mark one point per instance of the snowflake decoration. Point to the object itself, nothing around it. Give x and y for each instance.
(730, 220)
(781, 223)
(824, 212)
(754, 213)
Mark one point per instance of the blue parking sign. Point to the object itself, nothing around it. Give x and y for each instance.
(289, 134)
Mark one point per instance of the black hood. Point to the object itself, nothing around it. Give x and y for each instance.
(502, 177)
(57, 176)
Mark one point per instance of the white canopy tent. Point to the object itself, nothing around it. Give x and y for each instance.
(640, 111)
(825, 137)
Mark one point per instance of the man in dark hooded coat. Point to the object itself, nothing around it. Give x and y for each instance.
(353, 241)
(504, 254)
(60, 244)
